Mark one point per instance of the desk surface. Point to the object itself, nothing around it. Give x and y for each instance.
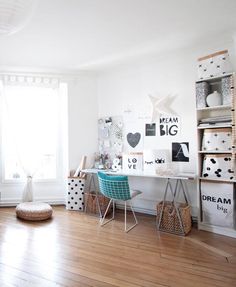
(186, 175)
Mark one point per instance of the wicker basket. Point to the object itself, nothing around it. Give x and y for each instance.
(170, 221)
(91, 203)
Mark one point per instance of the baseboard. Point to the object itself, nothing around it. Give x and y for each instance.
(137, 209)
(148, 211)
(218, 229)
(14, 202)
(195, 219)
(61, 201)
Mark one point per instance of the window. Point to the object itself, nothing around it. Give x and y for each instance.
(31, 142)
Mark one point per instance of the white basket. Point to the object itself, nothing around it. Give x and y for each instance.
(218, 203)
(217, 139)
(213, 65)
(218, 166)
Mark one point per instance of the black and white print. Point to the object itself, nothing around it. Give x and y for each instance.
(180, 151)
(150, 130)
(169, 126)
(133, 162)
(153, 159)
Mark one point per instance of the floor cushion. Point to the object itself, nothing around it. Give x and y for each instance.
(34, 211)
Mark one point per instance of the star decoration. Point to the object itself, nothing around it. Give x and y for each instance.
(162, 106)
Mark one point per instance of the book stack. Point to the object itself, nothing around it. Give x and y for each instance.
(216, 121)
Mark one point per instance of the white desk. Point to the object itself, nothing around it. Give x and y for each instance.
(174, 183)
(182, 176)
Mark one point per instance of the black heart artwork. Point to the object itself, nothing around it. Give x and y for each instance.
(133, 139)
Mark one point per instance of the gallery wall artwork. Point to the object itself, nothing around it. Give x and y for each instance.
(110, 136)
(133, 137)
(133, 162)
(152, 159)
(180, 151)
(169, 126)
(150, 130)
(144, 136)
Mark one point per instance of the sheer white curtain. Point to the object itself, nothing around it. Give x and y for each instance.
(27, 100)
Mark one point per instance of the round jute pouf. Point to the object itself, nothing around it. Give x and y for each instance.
(34, 211)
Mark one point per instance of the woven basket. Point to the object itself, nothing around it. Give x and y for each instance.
(91, 203)
(170, 221)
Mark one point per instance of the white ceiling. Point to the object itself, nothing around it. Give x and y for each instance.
(78, 34)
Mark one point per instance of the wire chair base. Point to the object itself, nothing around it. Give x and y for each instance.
(103, 222)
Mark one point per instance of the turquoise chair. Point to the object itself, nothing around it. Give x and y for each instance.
(116, 188)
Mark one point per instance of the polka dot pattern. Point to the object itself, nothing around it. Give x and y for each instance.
(75, 194)
(217, 139)
(218, 166)
(216, 65)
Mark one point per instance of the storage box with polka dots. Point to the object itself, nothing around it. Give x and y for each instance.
(218, 166)
(75, 193)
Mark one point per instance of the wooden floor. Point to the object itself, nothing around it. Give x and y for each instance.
(72, 250)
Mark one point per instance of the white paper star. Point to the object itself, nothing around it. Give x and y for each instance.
(162, 106)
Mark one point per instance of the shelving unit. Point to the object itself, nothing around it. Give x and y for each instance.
(211, 112)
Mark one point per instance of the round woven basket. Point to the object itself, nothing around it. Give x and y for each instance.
(34, 211)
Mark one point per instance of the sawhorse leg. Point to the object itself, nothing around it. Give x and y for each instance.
(92, 184)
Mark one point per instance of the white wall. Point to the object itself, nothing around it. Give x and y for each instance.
(172, 74)
(82, 120)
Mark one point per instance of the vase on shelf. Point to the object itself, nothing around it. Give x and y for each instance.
(214, 99)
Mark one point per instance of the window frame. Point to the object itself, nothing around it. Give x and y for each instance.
(60, 145)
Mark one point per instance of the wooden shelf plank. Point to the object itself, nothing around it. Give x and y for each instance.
(216, 179)
(216, 151)
(215, 78)
(214, 127)
(221, 107)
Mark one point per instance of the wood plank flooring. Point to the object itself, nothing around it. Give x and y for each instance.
(72, 250)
